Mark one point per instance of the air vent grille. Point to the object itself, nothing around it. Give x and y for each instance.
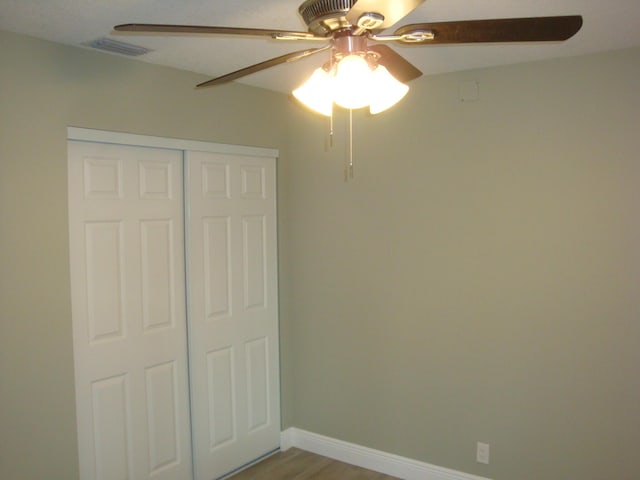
(115, 46)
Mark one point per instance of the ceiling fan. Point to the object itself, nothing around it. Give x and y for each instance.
(352, 28)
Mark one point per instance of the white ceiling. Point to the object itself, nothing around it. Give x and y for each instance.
(608, 25)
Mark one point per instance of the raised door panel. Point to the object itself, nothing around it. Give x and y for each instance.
(254, 267)
(163, 419)
(157, 272)
(111, 428)
(221, 394)
(104, 280)
(217, 266)
(257, 364)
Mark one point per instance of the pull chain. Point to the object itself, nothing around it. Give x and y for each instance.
(331, 129)
(348, 174)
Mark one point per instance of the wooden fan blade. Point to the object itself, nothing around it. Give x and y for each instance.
(536, 29)
(207, 30)
(391, 10)
(289, 57)
(397, 65)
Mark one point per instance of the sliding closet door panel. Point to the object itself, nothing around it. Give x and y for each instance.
(233, 310)
(129, 321)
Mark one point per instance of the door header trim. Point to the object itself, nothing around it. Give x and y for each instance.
(121, 138)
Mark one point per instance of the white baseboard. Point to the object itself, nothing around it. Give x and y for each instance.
(369, 458)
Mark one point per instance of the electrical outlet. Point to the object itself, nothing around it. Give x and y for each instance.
(482, 453)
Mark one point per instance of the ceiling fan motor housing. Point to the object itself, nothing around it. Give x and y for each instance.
(325, 16)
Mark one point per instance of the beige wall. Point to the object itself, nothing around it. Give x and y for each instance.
(477, 280)
(43, 89)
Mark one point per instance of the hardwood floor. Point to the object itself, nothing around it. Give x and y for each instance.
(295, 464)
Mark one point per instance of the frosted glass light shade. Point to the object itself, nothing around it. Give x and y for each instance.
(386, 91)
(316, 92)
(352, 82)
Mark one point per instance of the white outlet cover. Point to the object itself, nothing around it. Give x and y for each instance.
(482, 453)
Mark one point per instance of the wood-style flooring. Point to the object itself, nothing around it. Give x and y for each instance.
(295, 464)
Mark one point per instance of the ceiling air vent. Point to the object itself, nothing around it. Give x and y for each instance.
(114, 46)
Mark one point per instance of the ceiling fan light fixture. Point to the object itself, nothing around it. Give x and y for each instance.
(386, 90)
(316, 93)
(352, 82)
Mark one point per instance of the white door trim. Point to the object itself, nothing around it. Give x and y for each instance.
(121, 138)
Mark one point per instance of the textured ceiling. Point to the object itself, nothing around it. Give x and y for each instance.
(608, 25)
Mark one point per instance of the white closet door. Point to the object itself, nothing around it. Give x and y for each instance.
(129, 325)
(233, 317)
